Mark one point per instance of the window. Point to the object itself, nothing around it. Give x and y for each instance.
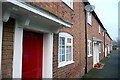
(99, 29)
(103, 33)
(65, 55)
(89, 48)
(99, 48)
(69, 3)
(89, 18)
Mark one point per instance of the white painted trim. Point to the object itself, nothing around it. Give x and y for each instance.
(66, 35)
(17, 58)
(99, 29)
(1, 31)
(47, 55)
(90, 55)
(100, 48)
(89, 48)
(93, 52)
(36, 11)
(89, 18)
(65, 63)
(70, 5)
(6, 15)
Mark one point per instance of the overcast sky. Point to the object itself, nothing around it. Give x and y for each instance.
(107, 11)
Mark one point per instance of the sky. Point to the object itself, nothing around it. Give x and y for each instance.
(107, 11)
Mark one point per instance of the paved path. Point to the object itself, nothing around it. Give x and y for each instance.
(110, 69)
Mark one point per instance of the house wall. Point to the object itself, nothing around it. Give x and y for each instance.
(59, 9)
(79, 47)
(93, 31)
(7, 48)
(111, 45)
(76, 16)
(108, 41)
(99, 36)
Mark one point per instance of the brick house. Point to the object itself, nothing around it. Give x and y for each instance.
(56, 30)
(95, 38)
(108, 44)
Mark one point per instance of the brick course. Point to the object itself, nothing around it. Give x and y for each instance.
(7, 48)
(77, 31)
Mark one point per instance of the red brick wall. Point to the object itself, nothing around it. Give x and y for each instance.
(7, 48)
(76, 16)
(78, 32)
(76, 69)
(59, 9)
(108, 41)
(102, 52)
(93, 31)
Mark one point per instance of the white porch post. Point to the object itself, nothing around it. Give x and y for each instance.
(1, 30)
(17, 58)
(47, 55)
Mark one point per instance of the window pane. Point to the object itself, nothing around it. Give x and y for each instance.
(90, 48)
(68, 2)
(62, 41)
(68, 53)
(89, 18)
(62, 49)
(63, 57)
(68, 40)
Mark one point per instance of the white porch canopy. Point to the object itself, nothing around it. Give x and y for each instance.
(33, 17)
(97, 40)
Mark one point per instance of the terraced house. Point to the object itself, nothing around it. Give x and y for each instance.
(50, 39)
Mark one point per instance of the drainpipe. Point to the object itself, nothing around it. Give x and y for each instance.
(86, 41)
(88, 8)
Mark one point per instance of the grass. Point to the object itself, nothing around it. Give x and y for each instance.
(91, 73)
(94, 70)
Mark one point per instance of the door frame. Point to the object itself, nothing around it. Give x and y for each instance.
(105, 51)
(47, 53)
(95, 46)
(1, 32)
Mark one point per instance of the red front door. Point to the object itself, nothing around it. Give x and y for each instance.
(32, 55)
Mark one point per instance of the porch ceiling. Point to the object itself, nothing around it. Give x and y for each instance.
(30, 16)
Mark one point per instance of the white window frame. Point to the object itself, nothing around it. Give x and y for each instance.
(89, 18)
(68, 3)
(99, 30)
(103, 33)
(89, 48)
(1, 33)
(66, 36)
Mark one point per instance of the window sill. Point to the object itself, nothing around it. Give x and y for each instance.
(89, 24)
(90, 55)
(65, 63)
